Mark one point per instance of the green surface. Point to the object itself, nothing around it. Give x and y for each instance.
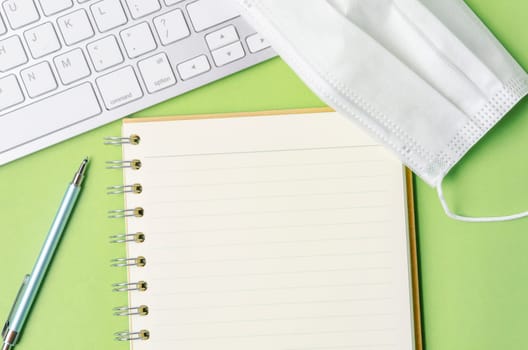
(475, 290)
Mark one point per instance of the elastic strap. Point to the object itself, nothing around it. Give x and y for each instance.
(474, 219)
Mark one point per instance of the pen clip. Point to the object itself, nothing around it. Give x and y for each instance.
(17, 299)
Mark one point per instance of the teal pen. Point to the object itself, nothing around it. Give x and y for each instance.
(31, 283)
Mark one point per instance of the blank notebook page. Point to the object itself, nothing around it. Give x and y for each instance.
(268, 232)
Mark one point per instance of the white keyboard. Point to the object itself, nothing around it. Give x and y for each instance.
(68, 66)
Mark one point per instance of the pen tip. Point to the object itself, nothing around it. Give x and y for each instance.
(79, 175)
(82, 168)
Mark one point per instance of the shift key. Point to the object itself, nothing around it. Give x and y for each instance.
(208, 13)
(119, 88)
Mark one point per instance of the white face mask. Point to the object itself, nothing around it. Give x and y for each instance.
(425, 77)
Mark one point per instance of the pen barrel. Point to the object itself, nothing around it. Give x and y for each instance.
(44, 259)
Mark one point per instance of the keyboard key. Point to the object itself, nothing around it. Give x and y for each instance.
(256, 43)
(20, 12)
(72, 66)
(51, 7)
(193, 67)
(42, 40)
(108, 14)
(138, 40)
(119, 88)
(141, 8)
(222, 37)
(228, 54)
(157, 72)
(10, 92)
(75, 27)
(105, 53)
(171, 27)
(208, 13)
(43, 117)
(12, 53)
(38, 79)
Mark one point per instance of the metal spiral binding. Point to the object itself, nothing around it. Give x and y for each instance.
(130, 336)
(140, 286)
(142, 310)
(138, 212)
(138, 237)
(140, 261)
(134, 164)
(117, 141)
(135, 188)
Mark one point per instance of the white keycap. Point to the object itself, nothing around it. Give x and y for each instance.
(75, 27)
(208, 13)
(12, 53)
(63, 109)
(171, 27)
(71, 66)
(172, 2)
(228, 54)
(38, 79)
(3, 28)
(193, 67)
(256, 43)
(108, 14)
(10, 93)
(221, 38)
(51, 7)
(20, 12)
(119, 88)
(157, 72)
(42, 40)
(138, 40)
(105, 53)
(141, 8)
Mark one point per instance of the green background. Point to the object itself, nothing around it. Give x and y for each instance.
(474, 277)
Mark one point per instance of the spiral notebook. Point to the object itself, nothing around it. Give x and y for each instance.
(279, 230)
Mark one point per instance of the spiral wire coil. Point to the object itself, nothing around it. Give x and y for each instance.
(128, 238)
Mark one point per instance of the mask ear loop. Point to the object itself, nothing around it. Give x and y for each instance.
(470, 218)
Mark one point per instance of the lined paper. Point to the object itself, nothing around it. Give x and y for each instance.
(281, 232)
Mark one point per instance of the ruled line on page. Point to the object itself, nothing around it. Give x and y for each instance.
(254, 335)
(274, 273)
(264, 243)
(280, 303)
(252, 228)
(322, 317)
(303, 195)
(280, 165)
(256, 152)
(282, 257)
(273, 181)
(219, 291)
(270, 212)
(357, 346)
